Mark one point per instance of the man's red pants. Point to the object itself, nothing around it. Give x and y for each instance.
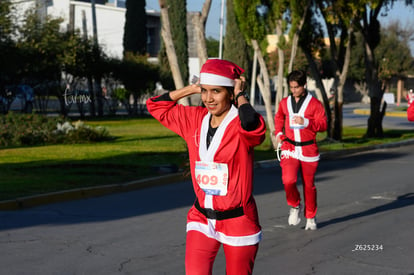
(290, 169)
(201, 251)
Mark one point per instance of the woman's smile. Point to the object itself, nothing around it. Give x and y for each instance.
(211, 106)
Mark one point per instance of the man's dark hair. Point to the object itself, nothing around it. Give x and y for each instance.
(299, 76)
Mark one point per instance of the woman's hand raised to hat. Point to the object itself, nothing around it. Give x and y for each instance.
(239, 87)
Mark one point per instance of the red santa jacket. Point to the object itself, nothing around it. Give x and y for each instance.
(231, 145)
(410, 112)
(315, 121)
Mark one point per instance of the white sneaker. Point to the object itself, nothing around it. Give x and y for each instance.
(294, 215)
(311, 224)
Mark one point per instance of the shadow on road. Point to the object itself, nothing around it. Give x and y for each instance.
(401, 201)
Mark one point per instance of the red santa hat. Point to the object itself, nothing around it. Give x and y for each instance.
(219, 72)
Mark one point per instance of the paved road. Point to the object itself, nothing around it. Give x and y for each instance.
(366, 202)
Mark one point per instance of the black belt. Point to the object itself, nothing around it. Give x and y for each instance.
(298, 143)
(219, 215)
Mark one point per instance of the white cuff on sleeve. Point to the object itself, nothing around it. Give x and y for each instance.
(305, 122)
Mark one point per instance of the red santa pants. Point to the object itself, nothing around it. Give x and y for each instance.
(201, 251)
(290, 169)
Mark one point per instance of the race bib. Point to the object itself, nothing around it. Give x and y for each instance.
(212, 177)
(293, 124)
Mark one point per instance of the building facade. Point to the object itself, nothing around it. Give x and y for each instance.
(110, 21)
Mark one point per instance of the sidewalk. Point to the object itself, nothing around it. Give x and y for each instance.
(392, 110)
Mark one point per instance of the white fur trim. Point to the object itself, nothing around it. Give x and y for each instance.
(306, 122)
(298, 149)
(214, 79)
(209, 231)
(208, 155)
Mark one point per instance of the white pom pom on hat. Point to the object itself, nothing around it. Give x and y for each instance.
(219, 72)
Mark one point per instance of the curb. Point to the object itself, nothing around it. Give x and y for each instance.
(389, 114)
(91, 192)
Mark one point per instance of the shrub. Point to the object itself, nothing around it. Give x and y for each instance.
(33, 129)
(78, 132)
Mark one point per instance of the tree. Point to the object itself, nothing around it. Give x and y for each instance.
(256, 19)
(212, 45)
(369, 26)
(177, 12)
(199, 22)
(168, 40)
(253, 27)
(297, 11)
(135, 30)
(235, 47)
(8, 54)
(41, 45)
(394, 53)
(137, 75)
(6, 42)
(178, 9)
(338, 18)
(80, 63)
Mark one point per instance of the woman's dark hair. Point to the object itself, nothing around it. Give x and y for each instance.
(299, 76)
(230, 90)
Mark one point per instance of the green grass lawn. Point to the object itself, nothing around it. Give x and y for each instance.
(139, 147)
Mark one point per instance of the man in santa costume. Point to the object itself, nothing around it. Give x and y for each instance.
(299, 117)
(220, 137)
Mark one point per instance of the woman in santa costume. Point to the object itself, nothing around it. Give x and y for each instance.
(220, 137)
(299, 117)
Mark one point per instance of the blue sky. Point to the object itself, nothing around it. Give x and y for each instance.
(401, 13)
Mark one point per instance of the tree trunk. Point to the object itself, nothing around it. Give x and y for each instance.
(99, 99)
(264, 87)
(199, 22)
(400, 88)
(201, 40)
(280, 75)
(375, 118)
(319, 84)
(341, 75)
(374, 128)
(337, 120)
(92, 111)
(169, 46)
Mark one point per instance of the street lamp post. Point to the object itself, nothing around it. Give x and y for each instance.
(221, 30)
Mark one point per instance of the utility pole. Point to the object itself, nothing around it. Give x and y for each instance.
(221, 30)
(97, 76)
(94, 28)
(41, 10)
